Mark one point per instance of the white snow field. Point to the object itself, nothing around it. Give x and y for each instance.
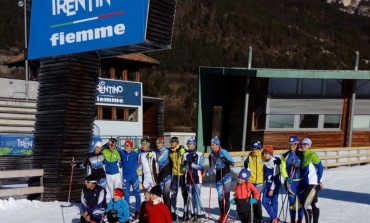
(346, 198)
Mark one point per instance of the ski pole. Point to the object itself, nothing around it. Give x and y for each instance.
(70, 180)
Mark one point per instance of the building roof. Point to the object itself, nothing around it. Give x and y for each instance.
(286, 73)
(135, 57)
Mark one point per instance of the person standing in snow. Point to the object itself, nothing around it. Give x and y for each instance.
(112, 159)
(93, 201)
(290, 171)
(178, 175)
(149, 165)
(312, 172)
(129, 159)
(164, 175)
(246, 194)
(221, 160)
(95, 161)
(255, 163)
(272, 183)
(193, 165)
(118, 210)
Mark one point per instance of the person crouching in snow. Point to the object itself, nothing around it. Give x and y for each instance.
(272, 183)
(93, 200)
(157, 211)
(118, 210)
(221, 160)
(243, 196)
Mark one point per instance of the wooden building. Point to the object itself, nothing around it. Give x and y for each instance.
(332, 107)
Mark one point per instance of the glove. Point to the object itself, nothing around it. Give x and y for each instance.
(232, 201)
(194, 166)
(277, 161)
(193, 158)
(81, 166)
(253, 201)
(289, 180)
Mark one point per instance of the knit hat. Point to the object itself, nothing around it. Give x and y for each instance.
(215, 140)
(129, 142)
(160, 139)
(191, 141)
(92, 178)
(269, 150)
(244, 174)
(307, 141)
(257, 145)
(118, 192)
(98, 144)
(293, 140)
(174, 139)
(156, 190)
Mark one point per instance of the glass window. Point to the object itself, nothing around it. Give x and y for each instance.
(311, 87)
(107, 113)
(281, 121)
(361, 122)
(260, 121)
(363, 88)
(309, 121)
(333, 87)
(283, 86)
(332, 121)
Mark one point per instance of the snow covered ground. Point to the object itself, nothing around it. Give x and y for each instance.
(346, 198)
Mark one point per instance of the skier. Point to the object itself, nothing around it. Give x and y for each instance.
(290, 171)
(118, 209)
(95, 161)
(272, 183)
(312, 172)
(164, 175)
(129, 159)
(112, 159)
(149, 165)
(193, 165)
(178, 175)
(243, 196)
(255, 162)
(221, 160)
(93, 201)
(157, 212)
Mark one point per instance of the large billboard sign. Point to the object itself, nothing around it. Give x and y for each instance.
(119, 93)
(60, 27)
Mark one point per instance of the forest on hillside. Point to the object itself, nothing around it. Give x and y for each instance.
(305, 34)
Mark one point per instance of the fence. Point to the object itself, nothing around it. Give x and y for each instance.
(330, 157)
(20, 191)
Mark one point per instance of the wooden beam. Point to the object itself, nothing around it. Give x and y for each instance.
(21, 173)
(21, 191)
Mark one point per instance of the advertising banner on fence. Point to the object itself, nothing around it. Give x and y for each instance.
(16, 144)
(73, 26)
(119, 93)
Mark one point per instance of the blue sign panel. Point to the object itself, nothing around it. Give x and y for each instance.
(119, 93)
(16, 144)
(72, 26)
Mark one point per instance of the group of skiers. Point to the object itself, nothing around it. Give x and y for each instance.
(165, 171)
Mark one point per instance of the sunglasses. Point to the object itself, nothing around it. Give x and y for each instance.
(159, 142)
(90, 181)
(304, 144)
